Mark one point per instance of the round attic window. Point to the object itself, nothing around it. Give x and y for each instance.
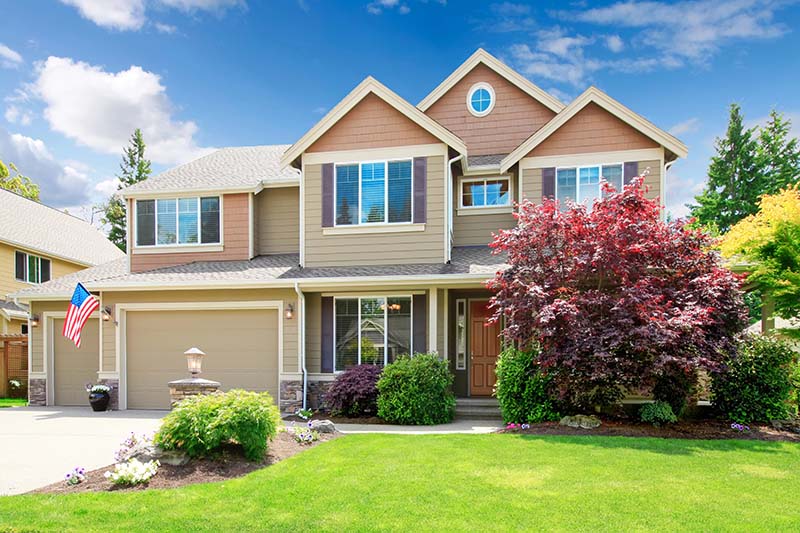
(480, 99)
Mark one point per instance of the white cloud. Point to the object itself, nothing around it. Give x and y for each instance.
(202, 5)
(561, 95)
(506, 17)
(112, 14)
(165, 28)
(60, 184)
(792, 116)
(687, 126)
(9, 58)
(681, 191)
(379, 6)
(107, 187)
(100, 109)
(321, 110)
(17, 115)
(615, 43)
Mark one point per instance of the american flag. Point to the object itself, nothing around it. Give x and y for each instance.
(83, 304)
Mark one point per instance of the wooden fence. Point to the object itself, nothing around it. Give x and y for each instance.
(13, 366)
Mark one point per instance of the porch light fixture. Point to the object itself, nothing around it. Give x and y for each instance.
(289, 313)
(194, 360)
(34, 321)
(107, 313)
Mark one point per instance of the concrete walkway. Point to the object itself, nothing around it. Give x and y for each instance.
(39, 445)
(457, 426)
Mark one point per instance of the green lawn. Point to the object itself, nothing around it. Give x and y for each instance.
(464, 483)
(12, 402)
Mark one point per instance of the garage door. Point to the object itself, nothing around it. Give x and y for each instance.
(74, 367)
(241, 349)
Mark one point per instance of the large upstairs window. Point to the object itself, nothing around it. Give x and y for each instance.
(178, 221)
(374, 193)
(582, 184)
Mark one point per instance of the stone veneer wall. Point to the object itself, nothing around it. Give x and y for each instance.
(292, 395)
(113, 404)
(37, 392)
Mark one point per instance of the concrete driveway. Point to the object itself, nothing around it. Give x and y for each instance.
(39, 445)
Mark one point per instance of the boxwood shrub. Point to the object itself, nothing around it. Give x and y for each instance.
(201, 425)
(354, 392)
(416, 391)
(755, 384)
(522, 390)
(657, 413)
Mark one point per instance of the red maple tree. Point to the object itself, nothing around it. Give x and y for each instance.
(614, 297)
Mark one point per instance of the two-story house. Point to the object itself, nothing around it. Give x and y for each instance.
(363, 240)
(37, 244)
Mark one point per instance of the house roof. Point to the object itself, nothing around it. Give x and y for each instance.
(468, 263)
(47, 231)
(596, 96)
(234, 169)
(12, 311)
(514, 77)
(372, 86)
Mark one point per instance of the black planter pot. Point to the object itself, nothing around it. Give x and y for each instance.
(99, 400)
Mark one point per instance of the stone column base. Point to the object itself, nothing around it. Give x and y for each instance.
(113, 384)
(184, 388)
(37, 392)
(292, 395)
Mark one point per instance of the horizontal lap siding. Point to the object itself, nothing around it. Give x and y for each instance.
(375, 248)
(474, 230)
(236, 239)
(8, 269)
(592, 129)
(653, 179)
(532, 184)
(314, 332)
(278, 221)
(516, 115)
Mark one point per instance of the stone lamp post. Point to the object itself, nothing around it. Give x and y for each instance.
(192, 386)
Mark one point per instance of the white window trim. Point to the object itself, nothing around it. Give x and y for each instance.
(578, 177)
(198, 246)
(484, 179)
(39, 260)
(385, 322)
(490, 90)
(385, 193)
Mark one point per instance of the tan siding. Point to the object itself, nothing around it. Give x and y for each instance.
(12, 327)
(236, 239)
(278, 221)
(36, 335)
(375, 248)
(372, 123)
(474, 230)
(516, 115)
(314, 332)
(532, 184)
(8, 281)
(592, 129)
(653, 179)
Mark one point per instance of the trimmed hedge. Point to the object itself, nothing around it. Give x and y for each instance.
(521, 389)
(416, 391)
(657, 413)
(354, 392)
(200, 425)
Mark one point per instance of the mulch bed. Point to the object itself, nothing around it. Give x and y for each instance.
(229, 464)
(336, 419)
(694, 429)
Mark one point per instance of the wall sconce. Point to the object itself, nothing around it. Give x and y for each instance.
(289, 313)
(34, 321)
(107, 313)
(194, 360)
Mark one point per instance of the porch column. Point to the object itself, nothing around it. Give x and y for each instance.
(432, 319)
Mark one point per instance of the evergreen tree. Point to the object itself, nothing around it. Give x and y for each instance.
(134, 168)
(17, 183)
(778, 155)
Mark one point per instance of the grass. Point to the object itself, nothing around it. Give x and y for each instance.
(12, 402)
(463, 483)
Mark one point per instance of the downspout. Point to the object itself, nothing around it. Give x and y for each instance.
(301, 304)
(450, 206)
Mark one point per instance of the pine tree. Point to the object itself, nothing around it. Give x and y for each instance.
(134, 168)
(734, 181)
(778, 155)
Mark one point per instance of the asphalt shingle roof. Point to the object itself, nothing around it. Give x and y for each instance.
(240, 167)
(485, 160)
(47, 230)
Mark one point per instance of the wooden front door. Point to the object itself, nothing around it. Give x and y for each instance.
(484, 348)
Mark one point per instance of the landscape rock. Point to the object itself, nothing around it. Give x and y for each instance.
(166, 457)
(581, 421)
(792, 425)
(323, 426)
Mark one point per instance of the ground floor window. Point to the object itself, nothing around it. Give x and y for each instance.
(371, 330)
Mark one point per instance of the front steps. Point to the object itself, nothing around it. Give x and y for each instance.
(482, 408)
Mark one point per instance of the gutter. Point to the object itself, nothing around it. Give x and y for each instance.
(301, 345)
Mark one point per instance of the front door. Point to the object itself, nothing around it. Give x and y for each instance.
(484, 344)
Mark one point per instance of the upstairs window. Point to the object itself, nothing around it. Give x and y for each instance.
(485, 192)
(480, 99)
(582, 184)
(372, 330)
(374, 193)
(178, 221)
(31, 268)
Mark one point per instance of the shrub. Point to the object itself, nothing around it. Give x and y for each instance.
(657, 413)
(200, 425)
(755, 385)
(674, 386)
(522, 389)
(133, 472)
(354, 392)
(416, 390)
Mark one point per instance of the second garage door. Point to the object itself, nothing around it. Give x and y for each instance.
(241, 349)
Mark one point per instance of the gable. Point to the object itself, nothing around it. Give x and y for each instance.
(372, 123)
(592, 129)
(516, 114)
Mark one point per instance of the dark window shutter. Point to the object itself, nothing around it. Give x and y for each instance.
(548, 183)
(20, 259)
(630, 171)
(327, 195)
(420, 312)
(327, 334)
(45, 274)
(209, 219)
(145, 222)
(420, 190)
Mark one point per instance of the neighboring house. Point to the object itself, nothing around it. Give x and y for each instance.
(37, 244)
(365, 239)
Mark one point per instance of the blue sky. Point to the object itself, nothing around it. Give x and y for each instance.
(77, 76)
